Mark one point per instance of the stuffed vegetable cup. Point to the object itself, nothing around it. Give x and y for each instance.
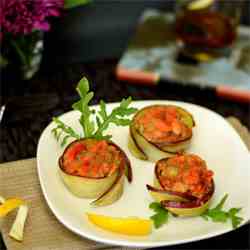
(160, 131)
(183, 185)
(93, 168)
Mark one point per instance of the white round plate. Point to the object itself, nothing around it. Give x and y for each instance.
(213, 139)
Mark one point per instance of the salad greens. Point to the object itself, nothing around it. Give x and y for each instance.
(103, 119)
(216, 214)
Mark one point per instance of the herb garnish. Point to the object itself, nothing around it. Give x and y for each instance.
(161, 214)
(88, 116)
(217, 214)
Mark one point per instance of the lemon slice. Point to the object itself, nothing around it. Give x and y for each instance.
(128, 226)
(203, 57)
(200, 4)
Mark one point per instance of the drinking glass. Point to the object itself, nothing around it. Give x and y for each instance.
(207, 29)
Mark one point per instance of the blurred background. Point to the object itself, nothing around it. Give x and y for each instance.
(103, 29)
(93, 38)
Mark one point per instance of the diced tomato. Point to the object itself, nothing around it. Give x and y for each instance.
(161, 125)
(72, 166)
(172, 111)
(94, 170)
(112, 169)
(85, 160)
(176, 126)
(92, 158)
(191, 177)
(180, 187)
(154, 112)
(154, 136)
(73, 151)
(105, 168)
(172, 171)
(84, 170)
(192, 174)
(166, 182)
(99, 146)
(145, 119)
(108, 157)
(156, 122)
(177, 161)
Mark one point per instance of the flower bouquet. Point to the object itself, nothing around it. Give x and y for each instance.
(22, 25)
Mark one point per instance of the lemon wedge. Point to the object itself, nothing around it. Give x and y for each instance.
(10, 205)
(200, 4)
(6, 206)
(129, 226)
(203, 57)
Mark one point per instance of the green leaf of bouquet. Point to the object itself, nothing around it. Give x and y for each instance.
(74, 3)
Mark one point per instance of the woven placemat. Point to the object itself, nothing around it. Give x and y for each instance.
(43, 231)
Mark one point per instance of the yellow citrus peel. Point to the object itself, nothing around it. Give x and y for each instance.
(17, 228)
(10, 205)
(6, 206)
(2, 200)
(132, 226)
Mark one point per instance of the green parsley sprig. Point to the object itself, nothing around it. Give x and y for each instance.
(217, 214)
(161, 214)
(118, 116)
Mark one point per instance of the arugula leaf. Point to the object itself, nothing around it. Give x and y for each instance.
(63, 128)
(85, 119)
(217, 214)
(161, 214)
(88, 116)
(116, 116)
(82, 106)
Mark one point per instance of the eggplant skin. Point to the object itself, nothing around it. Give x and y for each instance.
(187, 211)
(106, 190)
(182, 207)
(143, 149)
(135, 149)
(191, 208)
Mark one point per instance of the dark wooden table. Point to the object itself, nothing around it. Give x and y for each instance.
(32, 104)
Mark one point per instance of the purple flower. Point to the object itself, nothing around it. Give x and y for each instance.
(25, 16)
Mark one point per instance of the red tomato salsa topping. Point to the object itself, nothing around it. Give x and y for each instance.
(91, 158)
(186, 174)
(162, 124)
